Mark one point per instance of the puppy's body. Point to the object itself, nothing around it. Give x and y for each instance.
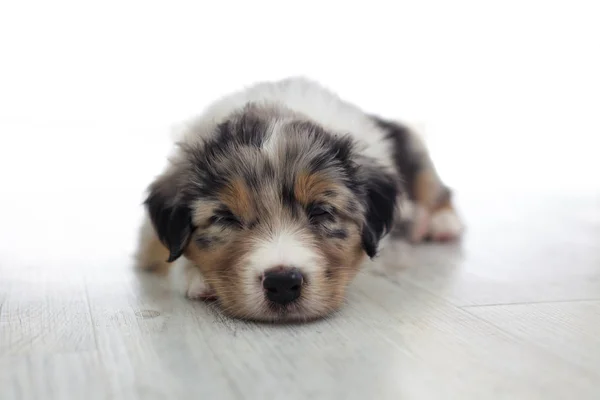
(276, 193)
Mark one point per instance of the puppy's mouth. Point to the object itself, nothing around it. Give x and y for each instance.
(288, 313)
(264, 310)
(297, 311)
(285, 309)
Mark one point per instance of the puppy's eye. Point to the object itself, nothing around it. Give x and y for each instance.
(320, 213)
(225, 218)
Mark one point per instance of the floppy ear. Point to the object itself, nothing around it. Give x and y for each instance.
(170, 216)
(381, 192)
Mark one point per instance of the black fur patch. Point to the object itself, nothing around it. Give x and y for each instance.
(407, 163)
(382, 192)
(287, 195)
(172, 223)
(248, 130)
(245, 130)
(329, 150)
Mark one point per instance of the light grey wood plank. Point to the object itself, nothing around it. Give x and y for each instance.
(570, 330)
(44, 375)
(43, 311)
(391, 340)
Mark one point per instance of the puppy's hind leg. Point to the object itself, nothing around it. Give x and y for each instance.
(445, 223)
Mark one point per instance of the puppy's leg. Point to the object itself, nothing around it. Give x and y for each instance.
(188, 280)
(412, 223)
(425, 189)
(435, 216)
(151, 254)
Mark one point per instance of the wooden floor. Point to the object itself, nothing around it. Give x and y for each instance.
(511, 312)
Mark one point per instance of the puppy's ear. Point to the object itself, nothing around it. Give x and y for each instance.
(381, 193)
(170, 216)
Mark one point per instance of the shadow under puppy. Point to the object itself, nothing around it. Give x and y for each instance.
(277, 193)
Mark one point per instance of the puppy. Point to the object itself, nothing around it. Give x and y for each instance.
(276, 194)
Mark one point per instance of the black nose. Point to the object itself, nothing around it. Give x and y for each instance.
(282, 285)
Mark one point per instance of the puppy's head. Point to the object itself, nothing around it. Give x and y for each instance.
(276, 212)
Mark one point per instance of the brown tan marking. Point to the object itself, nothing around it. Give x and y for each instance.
(426, 188)
(309, 187)
(219, 268)
(237, 197)
(342, 264)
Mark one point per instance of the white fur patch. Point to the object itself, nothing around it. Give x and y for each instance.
(187, 280)
(269, 146)
(283, 249)
(197, 288)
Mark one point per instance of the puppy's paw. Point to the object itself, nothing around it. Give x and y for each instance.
(197, 288)
(445, 226)
(187, 280)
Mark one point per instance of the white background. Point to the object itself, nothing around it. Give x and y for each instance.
(507, 92)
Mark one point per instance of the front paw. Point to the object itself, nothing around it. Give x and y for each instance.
(197, 288)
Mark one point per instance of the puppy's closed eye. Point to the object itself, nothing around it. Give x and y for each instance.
(320, 213)
(225, 218)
